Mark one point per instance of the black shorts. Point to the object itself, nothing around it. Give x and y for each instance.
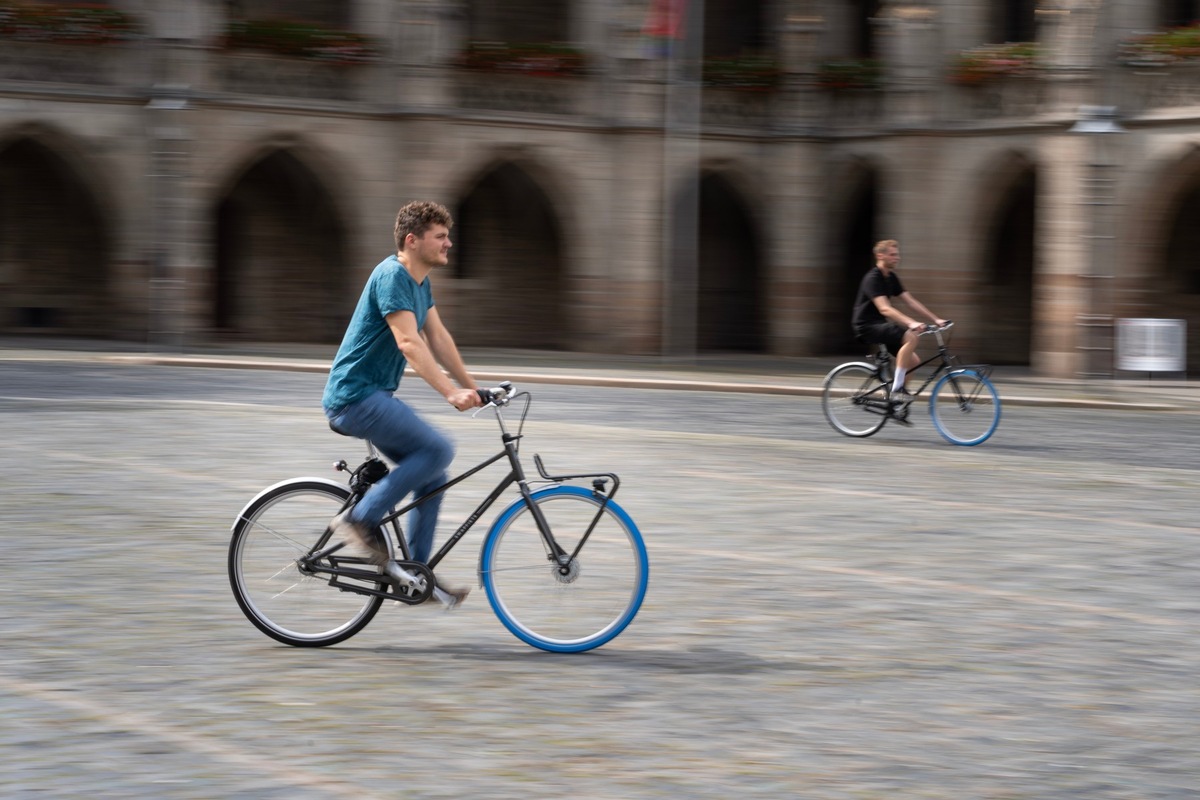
(885, 333)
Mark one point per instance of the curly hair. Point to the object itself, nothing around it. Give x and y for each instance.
(416, 218)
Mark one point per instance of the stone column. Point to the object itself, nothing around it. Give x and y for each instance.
(910, 54)
(179, 276)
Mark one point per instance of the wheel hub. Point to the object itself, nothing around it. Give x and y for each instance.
(566, 573)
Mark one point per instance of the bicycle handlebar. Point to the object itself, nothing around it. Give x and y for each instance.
(933, 328)
(497, 395)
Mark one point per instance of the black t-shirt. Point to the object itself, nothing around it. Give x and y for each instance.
(874, 284)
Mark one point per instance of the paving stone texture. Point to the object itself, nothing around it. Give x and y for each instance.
(827, 618)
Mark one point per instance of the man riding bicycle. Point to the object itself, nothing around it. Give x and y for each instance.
(877, 321)
(395, 325)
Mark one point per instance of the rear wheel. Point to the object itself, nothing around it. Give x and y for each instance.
(855, 400)
(275, 588)
(965, 407)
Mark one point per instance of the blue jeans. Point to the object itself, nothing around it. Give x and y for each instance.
(420, 454)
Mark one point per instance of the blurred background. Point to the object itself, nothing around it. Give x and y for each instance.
(673, 177)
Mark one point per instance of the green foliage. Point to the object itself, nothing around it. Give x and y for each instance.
(1162, 48)
(749, 73)
(79, 23)
(850, 74)
(307, 40)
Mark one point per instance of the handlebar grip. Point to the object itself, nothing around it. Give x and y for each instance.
(496, 394)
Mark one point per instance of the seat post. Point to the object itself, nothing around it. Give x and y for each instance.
(884, 360)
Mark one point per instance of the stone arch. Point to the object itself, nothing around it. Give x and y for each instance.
(511, 285)
(853, 217)
(1007, 248)
(731, 280)
(1171, 284)
(280, 269)
(56, 237)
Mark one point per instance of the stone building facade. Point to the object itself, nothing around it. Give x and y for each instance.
(624, 180)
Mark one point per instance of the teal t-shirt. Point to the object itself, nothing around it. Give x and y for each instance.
(368, 359)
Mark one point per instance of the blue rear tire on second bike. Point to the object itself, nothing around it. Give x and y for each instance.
(965, 407)
(565, 607)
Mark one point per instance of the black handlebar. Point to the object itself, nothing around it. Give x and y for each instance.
(932, 327)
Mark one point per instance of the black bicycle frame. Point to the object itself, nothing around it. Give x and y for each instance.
(515, 475)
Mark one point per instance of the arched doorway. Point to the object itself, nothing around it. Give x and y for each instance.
(1177, 284)
(280, 266)
(1006, 306)
(730, 283)
(54, 248)
(510, 288)
(855, 233)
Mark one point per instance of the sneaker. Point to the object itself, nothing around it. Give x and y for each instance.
(900, 396)
(450, 598)
(360, 536)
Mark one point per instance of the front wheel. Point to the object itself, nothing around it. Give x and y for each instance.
(275, 586)
(965, 407)
(855, 400)
(554, 600)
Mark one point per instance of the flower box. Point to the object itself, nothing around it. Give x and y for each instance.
(309, 41)
(1161, 48)
(544, 60)
(994, 62)
(746, 73)
(850, 75)
(81, 23)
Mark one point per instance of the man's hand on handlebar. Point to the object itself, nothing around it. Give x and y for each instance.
(497, 394)
(462, 399)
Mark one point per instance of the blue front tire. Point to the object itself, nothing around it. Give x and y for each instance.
(965, 407)
(553, 601)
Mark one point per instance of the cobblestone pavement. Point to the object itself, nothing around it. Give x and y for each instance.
(827, 618)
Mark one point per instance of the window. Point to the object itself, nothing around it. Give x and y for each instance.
(863, 43)
(1178, 13)
(333, 13)
(519, 21)
(1014, 21)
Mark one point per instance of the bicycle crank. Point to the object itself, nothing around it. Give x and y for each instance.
(412, 582)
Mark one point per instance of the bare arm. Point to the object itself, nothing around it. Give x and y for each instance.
(890, 312)
(420, 355)
(917, 306)
(437, 335)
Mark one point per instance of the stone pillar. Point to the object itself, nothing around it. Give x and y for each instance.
(179, 276)
(800, 58)
(910, 54)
